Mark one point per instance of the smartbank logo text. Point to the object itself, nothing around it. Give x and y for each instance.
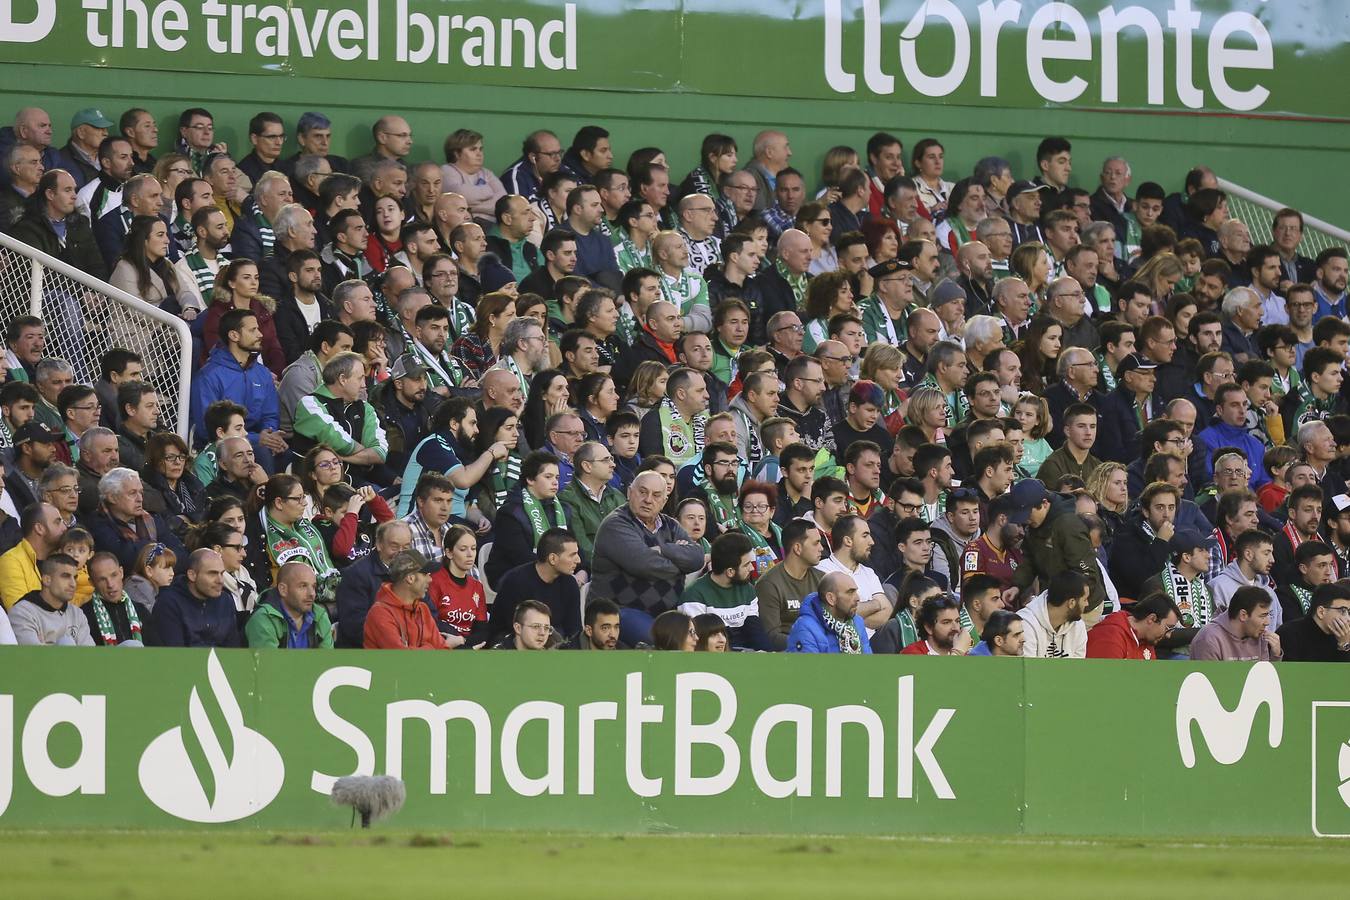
(251, 775)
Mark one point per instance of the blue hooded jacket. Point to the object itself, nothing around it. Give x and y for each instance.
(810, 634)
(222, 378)
(1221, 434)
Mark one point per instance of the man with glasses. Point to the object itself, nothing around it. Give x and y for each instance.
(565, 434)
(1323, 635)
(540, 155)
(393, 141)
(1300, 303)
(1125, 411)
(786, 333)
(1134, 633)
(885, 314)
(1065, 305)
(589, 496)
(267, 134)
(698, 226)
(737, 201)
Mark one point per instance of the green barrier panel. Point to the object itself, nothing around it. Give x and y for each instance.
(1212, 55)
(630, 742)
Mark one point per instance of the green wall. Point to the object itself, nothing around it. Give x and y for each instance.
(1288, 160)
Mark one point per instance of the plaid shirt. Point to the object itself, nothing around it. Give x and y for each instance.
(777, 220)
(430, 544)
(474, 353)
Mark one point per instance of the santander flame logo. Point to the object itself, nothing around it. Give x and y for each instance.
(244, 781)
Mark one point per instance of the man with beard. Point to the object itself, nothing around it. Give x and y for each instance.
(721, 469)
(1253, 556)
(454, 428)
(1142, 547)
(405, 408)
(726, 592)
(599, 627)
(1333, 271)
(524, 352)
(670, 430)
(851, 539)
(1054, 620)
(1304, 504)
(997, 551)
(431, 334)
(940, 623)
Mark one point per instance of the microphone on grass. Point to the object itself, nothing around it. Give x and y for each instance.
(374, 797)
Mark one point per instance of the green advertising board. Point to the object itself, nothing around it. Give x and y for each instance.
(632, 742)
(1216, 55)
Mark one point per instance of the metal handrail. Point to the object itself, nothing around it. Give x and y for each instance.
(1275, 206)
(43, 261)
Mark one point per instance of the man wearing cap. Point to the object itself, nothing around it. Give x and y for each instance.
(884, 313)
(1024, 211)
(34, 450)
(1230, 430)
(1182, 579)
(948, 300)
(88, 129)
(405, 407)
(400, 618)
(1127, 409)
(1056, 541)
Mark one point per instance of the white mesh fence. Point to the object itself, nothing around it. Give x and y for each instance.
(1258, 214)
(86, 318)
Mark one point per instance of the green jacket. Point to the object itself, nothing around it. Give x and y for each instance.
(586, 514)
(267, 626)
(324, 419)
(1060, 542)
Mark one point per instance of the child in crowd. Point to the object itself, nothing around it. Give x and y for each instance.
(152, 572)
(1191, 254)
(348, 521)
(712, 633)
(457, 595)
(78, 544)
(624, 429)
(1277, 461)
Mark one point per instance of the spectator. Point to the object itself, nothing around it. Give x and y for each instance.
(234, 372)
(940, 628)
(456, 594)
(1134, 633)
(34, 451)
(1053, 621)
(727, 593)
(24, 168)
(98, 456)
(121, 524)
(429, 517)
(362, 579)
(52, 225)
(113, 617)
(1075, 456)
(550, 579)
(1253, 556)
(335, 416)
(236, 287)
(291, 537)
(1323, 635)
(88, 130)
(531, 628)
(400, 618)
(1244, 633)
(589, 496)
(47, 616)
(42, 528)
(103, 193)
(1003, 635)
(642, 557)
(294, 230)
(195, 611)
(138, 404)
(151, 573)
(599, 629)
(529, 511)
(1141, 549)
(780, 591)
(229, 541)
(851, 541)
(289, 619)
(829, 621)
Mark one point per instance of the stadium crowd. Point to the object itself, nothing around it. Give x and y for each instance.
(869, 410)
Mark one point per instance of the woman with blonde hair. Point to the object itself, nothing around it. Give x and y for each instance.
(1161, 274)
(1108, 485)
(927, 410)
(1031, 263)
(885, 364)
(837, 159)
(1033, 413)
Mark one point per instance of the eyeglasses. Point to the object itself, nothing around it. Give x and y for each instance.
(755, 507)
(850, 360)
(724, 462)
(175, 457)
(798, 328)
(397, 134)
(67, 490)
(551, 154)
(179, 171)
(538, 627)
(273, 137)
(577, 433)
(299, 498)
(86, 407)
(232, 546)
(329, 464)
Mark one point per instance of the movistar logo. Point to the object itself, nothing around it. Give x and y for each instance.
(244, 780)
(1225, 733)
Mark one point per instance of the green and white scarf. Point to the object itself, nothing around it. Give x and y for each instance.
(302, 543)
(1304, 597)
(721, 513)
(103, 619)
(627, 330)
(796, 282)
(1108, 378)
(534, 511)
(1191, 597)
(508, 363)
(765, 557)
(909, 631)
(505, 476)
(684, 290)
(849, 641)
(266, 235)
(202, 274)
(629, 256)
(445, 371)
(462, 317)
(681, 441)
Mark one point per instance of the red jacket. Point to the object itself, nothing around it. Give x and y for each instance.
(918, 648)
(1113, 638)
(391, 625)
